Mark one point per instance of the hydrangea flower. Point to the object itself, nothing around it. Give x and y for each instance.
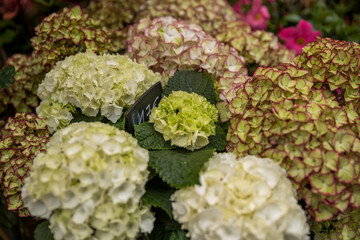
(281, 114)
(335, 66)
(93, 84)
(208, 14)
(22, 93)
(296, 37)
(167, 45)
(258, 15)
(67, 33)
(247, 198)
(22, 138)
(258, 47)
(186, 119)
(115, 15)
(89, 183)
(343, 227)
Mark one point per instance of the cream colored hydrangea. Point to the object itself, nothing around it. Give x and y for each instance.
(93, 84)
(238, 199)
(89, 183)
(186, 119)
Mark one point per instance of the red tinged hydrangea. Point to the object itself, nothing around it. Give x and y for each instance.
(29, 72)
(208, 14)
(257, 47)
(67, 33)
(280, 114)
(21, 139)
(167, 45)
(344, 227)
(296, 37)
(115, 16)
(336, 66)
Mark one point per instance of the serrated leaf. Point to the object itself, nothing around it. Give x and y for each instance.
(158, 195)
(149, 138)
(217, 141)
(179, 168)
(42, 232)
(7, 76)
(192, 81)
(178, 235)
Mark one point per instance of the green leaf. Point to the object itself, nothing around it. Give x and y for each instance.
(179, 168)
(178, 235)
(80, 117)
(42, 232)
(158, 195)
(292, 18)
(217, 141)
(149, 138)
(7, 76)
(192, 81)
(46, 3)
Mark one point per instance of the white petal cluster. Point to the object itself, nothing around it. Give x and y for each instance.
(93, 84)
(240, 199)
(89, 183)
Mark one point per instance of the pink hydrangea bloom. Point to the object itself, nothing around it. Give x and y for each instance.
(257, 17)
(296, 37)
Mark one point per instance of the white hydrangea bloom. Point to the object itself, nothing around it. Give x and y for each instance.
(93, 84)
(89, 183)
(237, 199)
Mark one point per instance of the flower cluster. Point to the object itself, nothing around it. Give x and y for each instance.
(167, 45)
(68, 32)
(114, 15)
(258, 15)
(248, 198)
(281, 114)
(21, 139)
(297, 37)
(91, 83)
(89, 182)
(209, 14)
(22, 93)
(335, 65)
(344, 227)
(258, 47)
(186, 119)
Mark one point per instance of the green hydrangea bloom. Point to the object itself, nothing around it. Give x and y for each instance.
(93, 84)
(89, 183)
(240, 198)
(186, 119)
(168, 45)
(67, 33)
(21, 139)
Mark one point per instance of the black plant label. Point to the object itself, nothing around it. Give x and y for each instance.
(141, 110)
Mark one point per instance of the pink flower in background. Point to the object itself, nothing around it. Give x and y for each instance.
(296, 37)
(257, 17)
(10, 8)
